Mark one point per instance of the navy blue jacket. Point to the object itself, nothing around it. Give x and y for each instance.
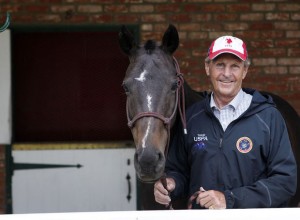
(252, 162)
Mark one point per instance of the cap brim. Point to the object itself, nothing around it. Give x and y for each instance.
(234, 52)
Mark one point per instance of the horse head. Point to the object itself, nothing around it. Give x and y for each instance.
(151, 86)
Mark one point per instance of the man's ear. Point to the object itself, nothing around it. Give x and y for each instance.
(207, 68)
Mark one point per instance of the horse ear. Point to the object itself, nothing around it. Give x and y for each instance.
(170, 39)
(126, 40)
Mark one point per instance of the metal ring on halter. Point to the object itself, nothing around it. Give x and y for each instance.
(6, 24)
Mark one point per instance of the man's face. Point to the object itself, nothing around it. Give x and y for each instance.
(226, 73)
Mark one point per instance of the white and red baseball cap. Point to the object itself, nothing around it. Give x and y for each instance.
(228, 44)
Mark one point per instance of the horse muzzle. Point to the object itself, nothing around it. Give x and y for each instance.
(149, 164)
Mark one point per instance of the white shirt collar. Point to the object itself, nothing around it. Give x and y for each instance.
(234, 103)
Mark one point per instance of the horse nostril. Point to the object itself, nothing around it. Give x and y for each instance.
(161, 156)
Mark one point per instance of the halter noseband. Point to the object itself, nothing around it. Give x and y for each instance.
(140, 115)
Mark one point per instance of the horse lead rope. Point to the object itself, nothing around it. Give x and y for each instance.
(163, 180)
(181, 108)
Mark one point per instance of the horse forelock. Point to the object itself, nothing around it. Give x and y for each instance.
(151, 62)
(150, 46)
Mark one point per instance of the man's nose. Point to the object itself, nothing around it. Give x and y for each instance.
(227, 71)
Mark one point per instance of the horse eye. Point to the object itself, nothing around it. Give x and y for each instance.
(174, 86)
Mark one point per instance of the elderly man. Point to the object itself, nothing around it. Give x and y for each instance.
(237, 153)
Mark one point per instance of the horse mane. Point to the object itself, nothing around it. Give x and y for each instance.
(149, 46)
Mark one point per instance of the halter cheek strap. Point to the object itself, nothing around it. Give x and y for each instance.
(181, 102)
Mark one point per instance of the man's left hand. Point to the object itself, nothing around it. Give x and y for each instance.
(211, 199)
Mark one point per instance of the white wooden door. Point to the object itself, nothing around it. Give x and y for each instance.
(103, 183)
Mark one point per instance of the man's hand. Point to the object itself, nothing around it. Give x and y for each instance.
(161, 194)
(211, 199)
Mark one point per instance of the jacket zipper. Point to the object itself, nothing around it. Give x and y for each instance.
(219, 177)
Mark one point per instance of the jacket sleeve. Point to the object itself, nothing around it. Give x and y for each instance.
(177, 164)
(281, 174)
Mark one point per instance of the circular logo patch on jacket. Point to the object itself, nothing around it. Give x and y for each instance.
(244, 145)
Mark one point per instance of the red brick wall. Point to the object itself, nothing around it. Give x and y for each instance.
(271, 29)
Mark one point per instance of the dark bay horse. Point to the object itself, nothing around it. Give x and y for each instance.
(154, 87)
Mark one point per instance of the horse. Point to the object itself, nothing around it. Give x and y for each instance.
(157, 97)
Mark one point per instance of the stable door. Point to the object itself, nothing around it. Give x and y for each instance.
(77, 180)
